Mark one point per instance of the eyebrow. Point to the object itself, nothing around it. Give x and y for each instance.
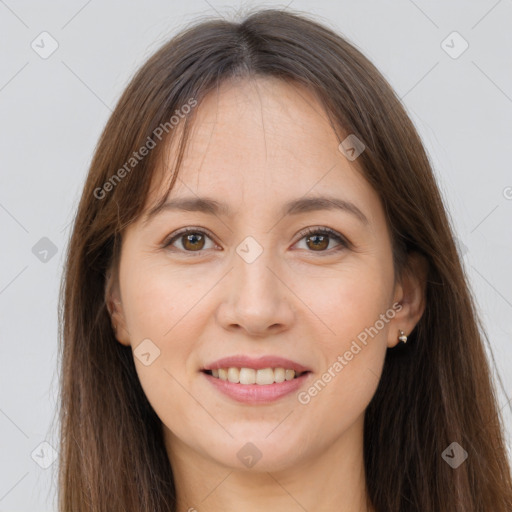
(210, 206)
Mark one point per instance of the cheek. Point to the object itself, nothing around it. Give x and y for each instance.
(159, 306)
(157, 298)
(164, 306)
(349, 301)
(355, 307)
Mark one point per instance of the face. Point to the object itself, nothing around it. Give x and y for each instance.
(311, 289)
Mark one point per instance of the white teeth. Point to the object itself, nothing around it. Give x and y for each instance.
(265, 376)
(247, 376)
(234, 375)
(262, 377)
(279, 375)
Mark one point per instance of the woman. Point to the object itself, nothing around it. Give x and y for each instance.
(263, 306)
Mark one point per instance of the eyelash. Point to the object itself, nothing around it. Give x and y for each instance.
(344, 243)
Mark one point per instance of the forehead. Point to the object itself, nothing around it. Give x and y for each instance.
(264, 142)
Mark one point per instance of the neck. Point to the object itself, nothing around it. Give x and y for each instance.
(332, 480)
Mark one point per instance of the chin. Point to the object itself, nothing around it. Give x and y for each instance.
(256, 454)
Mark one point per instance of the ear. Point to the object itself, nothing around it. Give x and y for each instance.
(115, 308)
(410, 292)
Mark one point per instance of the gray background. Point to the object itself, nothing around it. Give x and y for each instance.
(53, 110)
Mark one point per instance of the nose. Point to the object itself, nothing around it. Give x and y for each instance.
(256, 297)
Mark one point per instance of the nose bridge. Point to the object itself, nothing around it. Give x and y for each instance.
(256, 299)
(252, 261)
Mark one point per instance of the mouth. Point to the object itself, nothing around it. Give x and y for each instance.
(256, 380)
(250, 376)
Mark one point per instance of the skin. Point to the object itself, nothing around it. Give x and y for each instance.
(256, 144)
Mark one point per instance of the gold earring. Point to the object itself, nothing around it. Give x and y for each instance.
(401, 336)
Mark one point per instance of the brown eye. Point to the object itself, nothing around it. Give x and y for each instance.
(316, 239)
(319, 242)
(188, 240)
(193, 242)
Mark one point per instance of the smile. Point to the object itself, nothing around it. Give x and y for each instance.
(264, 392)
(248, 376)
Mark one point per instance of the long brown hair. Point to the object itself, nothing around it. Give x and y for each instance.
(435, 390)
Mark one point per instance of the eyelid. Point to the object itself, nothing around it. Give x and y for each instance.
(322, 230)
(183, 231)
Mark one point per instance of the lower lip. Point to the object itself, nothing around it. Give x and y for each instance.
(257, 393)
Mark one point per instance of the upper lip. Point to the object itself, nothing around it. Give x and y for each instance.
(240, 361)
